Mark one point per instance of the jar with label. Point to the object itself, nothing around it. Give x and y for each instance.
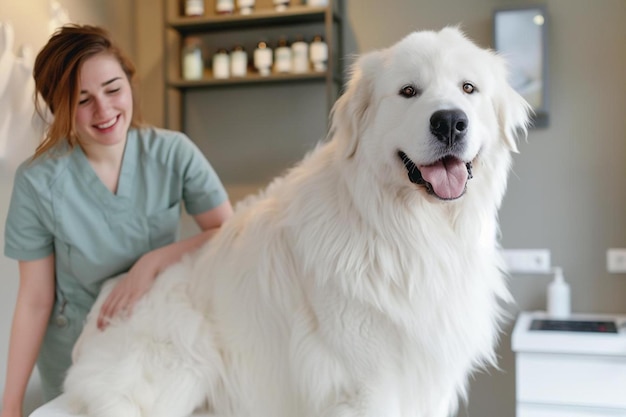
(317, 3)
(281, 5)
(224, 6)
(299, 55)
(318, 53)
(263, 58)
(221, 64)
(193, 7)
(192, 62)
(245, 6)
(282, 56)
(238, 62)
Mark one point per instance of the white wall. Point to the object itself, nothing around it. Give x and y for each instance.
(29, 20)
(29, 30)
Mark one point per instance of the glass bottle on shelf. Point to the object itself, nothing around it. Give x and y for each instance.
(282, 56)
(224, 6)
(318, 53)
(192, 62)
(193, 7)
(281, 5)
(263, 58)
(221, 64)
(245, 6)
(238, 62)
(300, 55)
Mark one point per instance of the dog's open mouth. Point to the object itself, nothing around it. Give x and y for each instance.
(446, 179)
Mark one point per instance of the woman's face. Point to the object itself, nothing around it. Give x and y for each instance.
(105, 103)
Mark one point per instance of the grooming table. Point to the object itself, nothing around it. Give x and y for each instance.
(58, 408)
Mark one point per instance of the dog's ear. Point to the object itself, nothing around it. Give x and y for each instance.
(513, 113)
(350, 113)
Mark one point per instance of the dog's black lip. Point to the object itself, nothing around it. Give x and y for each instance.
(415, 176)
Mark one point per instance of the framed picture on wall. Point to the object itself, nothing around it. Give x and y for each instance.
(520, 35)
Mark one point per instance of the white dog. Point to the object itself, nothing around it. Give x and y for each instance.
(365, 282)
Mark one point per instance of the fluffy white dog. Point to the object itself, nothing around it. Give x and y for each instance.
(364, 282)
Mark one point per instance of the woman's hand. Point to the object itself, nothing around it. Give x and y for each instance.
(130, 289)
(141, 276)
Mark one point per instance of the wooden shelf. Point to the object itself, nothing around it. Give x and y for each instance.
(293, 15)
(246, 30)
(251, 78)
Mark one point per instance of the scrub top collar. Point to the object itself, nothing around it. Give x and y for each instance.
(127, 171)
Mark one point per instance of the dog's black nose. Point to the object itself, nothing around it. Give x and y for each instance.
(449, 126)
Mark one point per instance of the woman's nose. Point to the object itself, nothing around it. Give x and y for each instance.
(101, 105)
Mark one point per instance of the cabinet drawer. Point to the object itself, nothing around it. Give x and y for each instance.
(579, 380)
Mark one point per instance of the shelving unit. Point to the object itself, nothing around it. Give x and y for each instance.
(227, 30)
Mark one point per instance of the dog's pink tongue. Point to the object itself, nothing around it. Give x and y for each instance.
(447, 177)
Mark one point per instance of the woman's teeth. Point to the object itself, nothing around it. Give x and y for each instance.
(107, 124)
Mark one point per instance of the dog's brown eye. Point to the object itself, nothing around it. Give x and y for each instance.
(468, 88)
(408, 91)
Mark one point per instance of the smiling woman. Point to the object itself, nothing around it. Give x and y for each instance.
(100, 197)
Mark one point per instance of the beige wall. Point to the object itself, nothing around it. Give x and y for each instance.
(149, 36)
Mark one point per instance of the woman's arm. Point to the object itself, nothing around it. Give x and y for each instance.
(141, 276)
(35, 299)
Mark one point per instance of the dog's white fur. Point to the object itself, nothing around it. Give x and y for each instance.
(343, 289)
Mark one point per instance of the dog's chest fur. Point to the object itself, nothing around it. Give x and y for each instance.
(400, 307)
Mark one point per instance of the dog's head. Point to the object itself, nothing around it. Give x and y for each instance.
(435, 109)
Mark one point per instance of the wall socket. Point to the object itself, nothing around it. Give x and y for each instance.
(527, 261)
(616, 260)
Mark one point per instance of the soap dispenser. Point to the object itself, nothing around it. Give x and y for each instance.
(559, 296)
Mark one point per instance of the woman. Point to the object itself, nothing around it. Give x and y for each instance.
(101, 196)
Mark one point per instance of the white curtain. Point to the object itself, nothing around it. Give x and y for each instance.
(21, 129)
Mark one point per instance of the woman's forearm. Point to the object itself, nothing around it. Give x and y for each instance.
(35, 299)
(170, 254)
(27, 331)
(209, 222)
(143, 273)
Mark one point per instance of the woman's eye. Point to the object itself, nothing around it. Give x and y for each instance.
(115, 90)
(468, 88)
(83, 101)
(408, 91)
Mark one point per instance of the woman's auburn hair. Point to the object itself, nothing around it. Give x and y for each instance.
(57, 71)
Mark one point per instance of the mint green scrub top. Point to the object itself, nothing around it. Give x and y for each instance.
(59, 206)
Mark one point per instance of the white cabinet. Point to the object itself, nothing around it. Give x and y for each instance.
(570, 368)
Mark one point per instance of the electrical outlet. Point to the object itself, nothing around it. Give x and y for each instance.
(616, 261)
(527, 261)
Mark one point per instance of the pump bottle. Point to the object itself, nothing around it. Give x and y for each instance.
(558, 296)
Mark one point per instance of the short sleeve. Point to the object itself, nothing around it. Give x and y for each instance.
(26, 236)
(202, 188)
